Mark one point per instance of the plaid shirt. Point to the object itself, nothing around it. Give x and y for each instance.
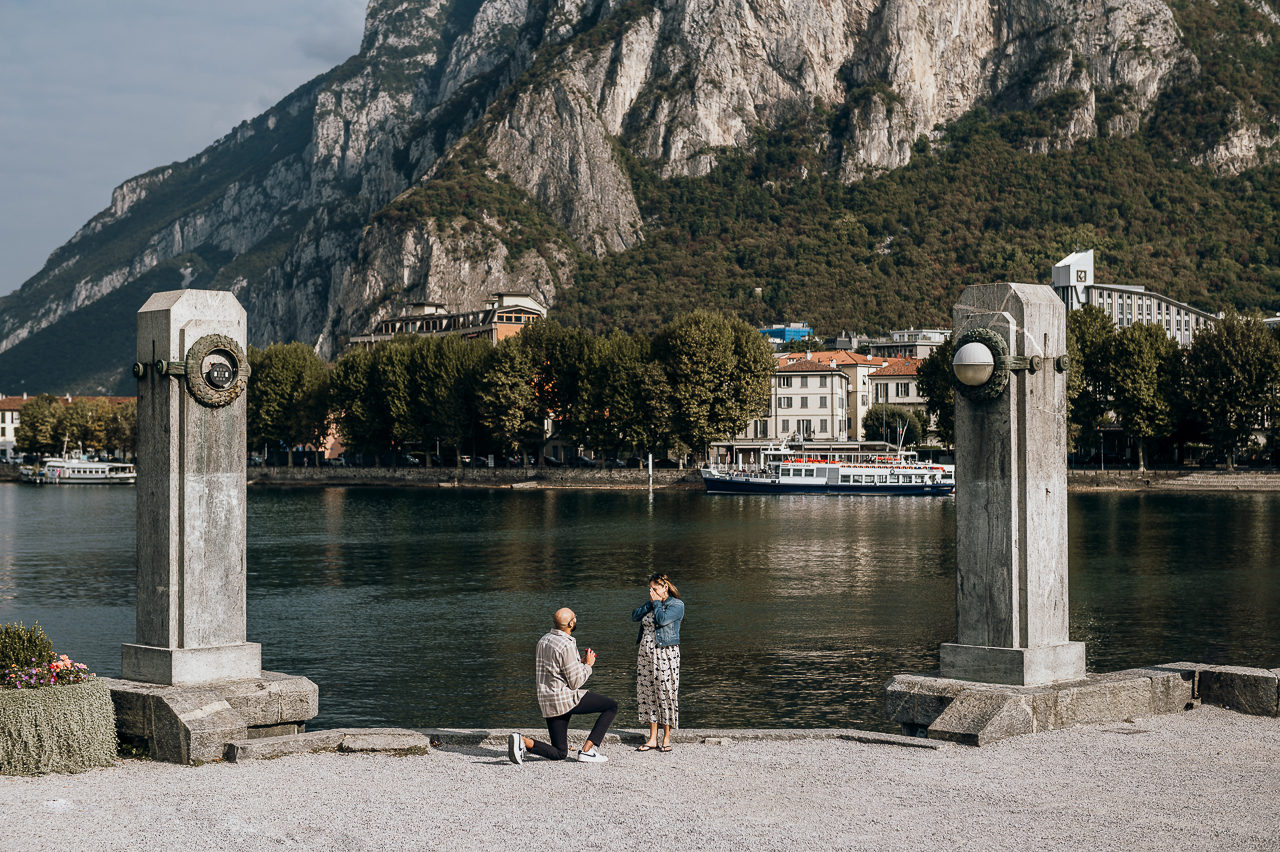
(560, 673)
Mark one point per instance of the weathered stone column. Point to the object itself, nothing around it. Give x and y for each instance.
(1011, 501)
(191, 493)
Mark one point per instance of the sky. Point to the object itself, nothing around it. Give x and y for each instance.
(93, 92)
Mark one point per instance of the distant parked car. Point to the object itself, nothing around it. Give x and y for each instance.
(583, 461)
(634, 462)
(254, 461)
(665, 463)
(550, 461)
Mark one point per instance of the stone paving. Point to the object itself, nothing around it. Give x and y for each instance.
(1204, 779)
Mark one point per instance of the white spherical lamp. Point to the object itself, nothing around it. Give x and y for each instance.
(973, 364)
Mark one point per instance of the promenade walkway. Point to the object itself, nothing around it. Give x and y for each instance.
(1206, 779)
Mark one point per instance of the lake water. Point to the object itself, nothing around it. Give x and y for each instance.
(421, 607)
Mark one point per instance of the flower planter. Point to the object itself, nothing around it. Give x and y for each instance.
(66, 728)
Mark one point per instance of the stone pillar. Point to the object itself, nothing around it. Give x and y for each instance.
(1011, 501)
(191, 493)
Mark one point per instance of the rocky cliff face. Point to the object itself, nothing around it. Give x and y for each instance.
(553, 95)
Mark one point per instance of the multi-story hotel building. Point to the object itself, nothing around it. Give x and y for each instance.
(1125, 304)
(502, 316)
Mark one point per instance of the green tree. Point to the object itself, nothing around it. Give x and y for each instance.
(1091, 334)
(893, 423)
(82, 425)
(631, 391)
(1142, 375)
(288, 396)
(122, 429)
(508, 405)
(561, 359)
(718, 370)
(37, 424)
(937, 385)
(363, 418)
(1231, 379)
(446, 374)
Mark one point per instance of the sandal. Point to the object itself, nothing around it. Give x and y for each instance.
(664, 748)
(646, 748)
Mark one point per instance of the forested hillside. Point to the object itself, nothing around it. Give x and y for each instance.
(850, 164)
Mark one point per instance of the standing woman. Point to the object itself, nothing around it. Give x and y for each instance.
(658, 661)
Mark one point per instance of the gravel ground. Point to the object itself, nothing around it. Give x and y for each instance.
(1206, 779)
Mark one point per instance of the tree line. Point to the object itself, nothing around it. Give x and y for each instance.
(1218, 391)
(700, 378)
(47, 424)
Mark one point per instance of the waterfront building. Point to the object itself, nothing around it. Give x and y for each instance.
(9, 407)
(503, 316)
(1126, 304)
(808, 400)
(858, 368)
(897, 384)
(915, 343)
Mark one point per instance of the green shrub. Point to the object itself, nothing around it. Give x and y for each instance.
(20, 646)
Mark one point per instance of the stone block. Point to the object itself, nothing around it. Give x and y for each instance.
(273, 699)
(192, 725)
(1044, 664)
(1172, 689)
(1187, 670)
(190, 666)
(267, 747)
(981, 717)
(1103, 699)
(1245, 690)
(919, 699)
(392, 740)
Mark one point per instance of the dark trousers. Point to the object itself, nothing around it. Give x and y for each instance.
(558, 726)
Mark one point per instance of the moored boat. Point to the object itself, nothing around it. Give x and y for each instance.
(787, 471)
(69, 471)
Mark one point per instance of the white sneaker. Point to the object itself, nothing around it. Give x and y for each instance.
(592, 756)
(515, 749)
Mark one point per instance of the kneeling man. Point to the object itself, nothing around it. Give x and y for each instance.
(560, 677)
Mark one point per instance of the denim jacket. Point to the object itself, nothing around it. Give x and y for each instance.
(667, 616)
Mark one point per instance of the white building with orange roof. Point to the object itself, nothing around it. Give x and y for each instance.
(858, 369)
(897, 384)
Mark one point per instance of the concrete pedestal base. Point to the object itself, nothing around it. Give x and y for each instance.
(185, 724)
(981, 713)
(1014, 666)
(190, 666)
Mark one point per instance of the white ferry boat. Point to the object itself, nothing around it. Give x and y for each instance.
(63, 471)
(788, 471)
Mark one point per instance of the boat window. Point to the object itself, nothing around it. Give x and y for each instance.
(882, 478)
(808, 471)
(919, 477)
(786, 471)
(857, 479)
(844, 479)
(894, 478)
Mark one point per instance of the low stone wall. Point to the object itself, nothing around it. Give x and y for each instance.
(497, 477)
(1174, 480)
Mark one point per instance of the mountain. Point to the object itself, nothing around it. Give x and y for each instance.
(852, 163)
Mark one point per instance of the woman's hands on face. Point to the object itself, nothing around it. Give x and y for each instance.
(659, 594)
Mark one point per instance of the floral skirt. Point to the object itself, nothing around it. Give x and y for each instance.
(658, 683)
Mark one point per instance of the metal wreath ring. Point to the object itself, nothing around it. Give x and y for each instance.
(994, 386)
(199, 387)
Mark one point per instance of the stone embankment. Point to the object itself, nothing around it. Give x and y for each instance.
(497, 477)
(1173, 480)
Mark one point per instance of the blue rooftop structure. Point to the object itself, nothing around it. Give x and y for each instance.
(789, 331)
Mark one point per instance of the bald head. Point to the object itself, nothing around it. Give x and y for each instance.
(563, 618)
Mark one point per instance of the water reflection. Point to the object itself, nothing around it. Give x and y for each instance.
(421, 607)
